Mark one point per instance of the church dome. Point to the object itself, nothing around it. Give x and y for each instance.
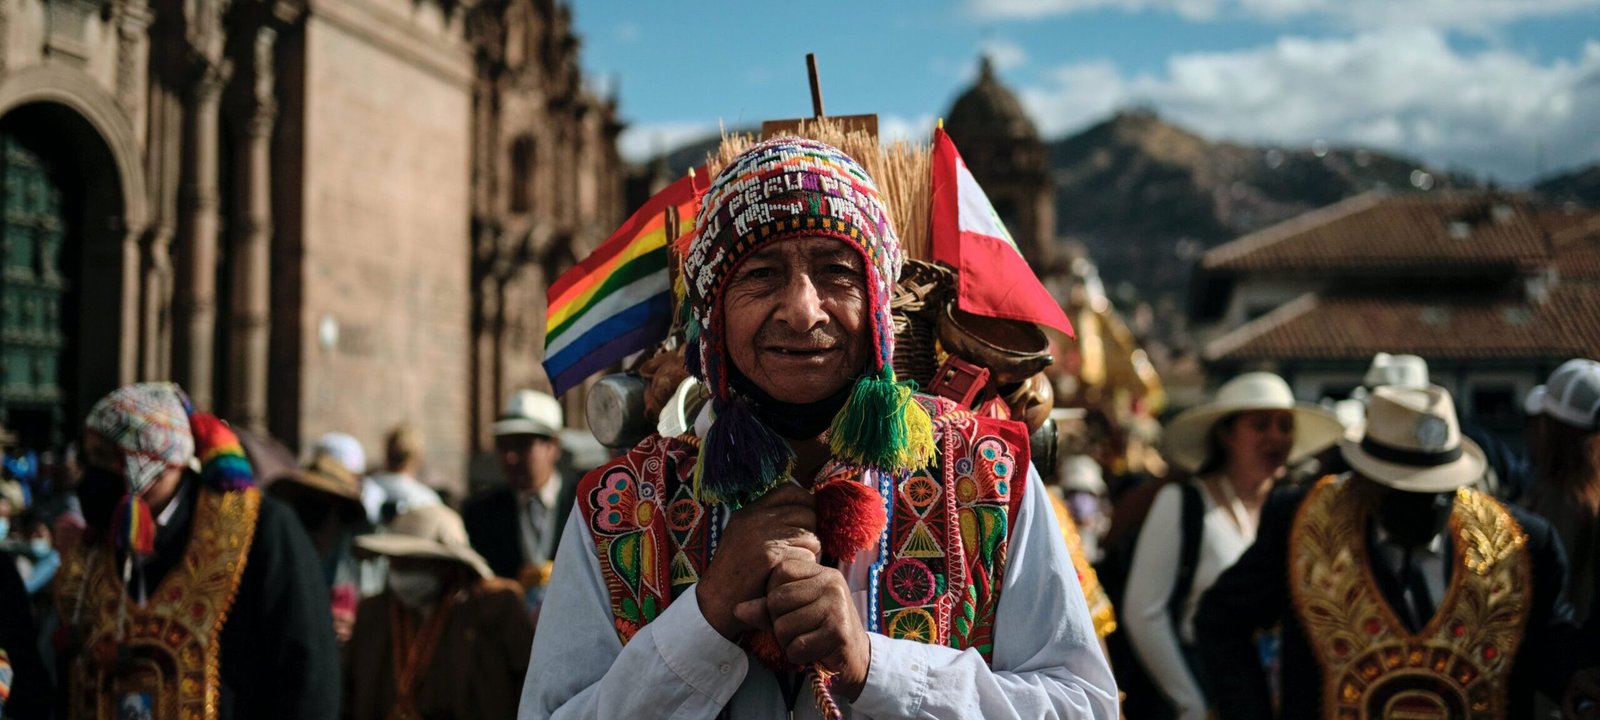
(989, 110)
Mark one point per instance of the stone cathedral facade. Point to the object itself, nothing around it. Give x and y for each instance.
(316, 215)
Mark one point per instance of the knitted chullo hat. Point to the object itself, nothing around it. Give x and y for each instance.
(155, 428)
(784, 188)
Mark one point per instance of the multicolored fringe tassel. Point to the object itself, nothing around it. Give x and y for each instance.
(741, 458)
(133, 527)
(223, 464)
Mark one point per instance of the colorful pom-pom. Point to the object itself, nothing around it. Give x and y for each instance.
(850, 517)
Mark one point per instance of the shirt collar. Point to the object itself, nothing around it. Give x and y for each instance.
(1434, 546)
(547, 494)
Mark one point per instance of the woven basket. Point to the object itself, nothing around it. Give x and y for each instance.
(923, 290)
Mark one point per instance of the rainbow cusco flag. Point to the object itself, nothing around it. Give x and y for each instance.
(618, 300)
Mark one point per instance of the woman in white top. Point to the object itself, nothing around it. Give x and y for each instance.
(1236, 446)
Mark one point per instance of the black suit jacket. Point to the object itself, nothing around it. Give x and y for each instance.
(1254, 595)
(491, 520)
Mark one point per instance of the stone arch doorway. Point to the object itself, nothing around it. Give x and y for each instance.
(61, 270)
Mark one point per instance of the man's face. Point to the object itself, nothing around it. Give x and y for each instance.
(795, 316)
(528, 461)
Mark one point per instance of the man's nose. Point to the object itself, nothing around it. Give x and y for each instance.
(800, 307)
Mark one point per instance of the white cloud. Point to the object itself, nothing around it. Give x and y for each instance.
(1405, 91)
(629, 32)
(1474, 15)
(1005, 54)
(895, 127)
(641, 143)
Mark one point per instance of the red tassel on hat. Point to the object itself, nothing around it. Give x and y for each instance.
(850, 516)
(133, 526)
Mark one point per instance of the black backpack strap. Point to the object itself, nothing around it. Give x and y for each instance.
(1189, 550)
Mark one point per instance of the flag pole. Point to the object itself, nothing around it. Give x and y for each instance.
(816, 85)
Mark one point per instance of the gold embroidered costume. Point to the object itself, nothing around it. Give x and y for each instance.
(1458, 666)
(161, 658)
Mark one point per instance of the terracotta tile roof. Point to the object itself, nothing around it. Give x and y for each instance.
(1577, 247)
(1394, 232)
(1565, 325)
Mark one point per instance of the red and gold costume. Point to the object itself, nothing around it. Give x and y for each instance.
(1458, 666)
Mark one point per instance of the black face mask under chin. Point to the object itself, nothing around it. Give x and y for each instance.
(99, 491)
(1414, 519)
(794, 421)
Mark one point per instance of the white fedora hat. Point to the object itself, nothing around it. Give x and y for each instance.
(530, 412)
(1186, 440)
(428, 532)
(1401, 370)
(1413, 442)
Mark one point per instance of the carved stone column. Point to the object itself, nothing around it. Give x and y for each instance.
(131, 19)
(196, 310)
(251, 247)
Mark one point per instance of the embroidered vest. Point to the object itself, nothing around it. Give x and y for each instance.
(940, 559)
(159, 661)
(1458, 666)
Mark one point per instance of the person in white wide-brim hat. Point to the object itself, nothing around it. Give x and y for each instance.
(1402, 552)
(1192, 439)
(1236, 446)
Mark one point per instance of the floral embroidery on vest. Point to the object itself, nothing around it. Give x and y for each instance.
(941, 556)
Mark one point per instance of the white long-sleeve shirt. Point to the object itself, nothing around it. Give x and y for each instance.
(1151, 579)
(1047, 660)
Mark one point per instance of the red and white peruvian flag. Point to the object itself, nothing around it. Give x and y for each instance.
(969, 236)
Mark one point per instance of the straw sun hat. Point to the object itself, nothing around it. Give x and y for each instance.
(429, 532)
(1186, 443)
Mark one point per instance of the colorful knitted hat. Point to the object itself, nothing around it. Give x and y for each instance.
(156, 428)
(784, 188)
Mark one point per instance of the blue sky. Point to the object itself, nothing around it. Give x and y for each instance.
(1500, 88)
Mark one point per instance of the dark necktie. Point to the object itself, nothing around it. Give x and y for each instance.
(536, 518)
(1418, 601)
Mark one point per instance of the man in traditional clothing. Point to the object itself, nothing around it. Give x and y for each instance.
(447, 639)
(823, 532)
(516, 526)
(1402, 591)
(191, 594)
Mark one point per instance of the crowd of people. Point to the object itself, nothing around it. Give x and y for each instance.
(822, 542)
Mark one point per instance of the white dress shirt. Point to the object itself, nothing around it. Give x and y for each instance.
(1047, 661)
(537, 540)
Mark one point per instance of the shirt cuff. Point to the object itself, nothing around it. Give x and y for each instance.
(696, 652)
(897, 678)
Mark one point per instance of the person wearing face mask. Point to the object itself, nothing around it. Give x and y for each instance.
(1402, 591)
(446, 639)
(185, 565)
(1237, 447)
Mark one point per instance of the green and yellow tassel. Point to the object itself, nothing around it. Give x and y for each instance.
(881, 426)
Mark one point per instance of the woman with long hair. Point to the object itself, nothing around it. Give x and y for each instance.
(1564, 441)
(1237, 446)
